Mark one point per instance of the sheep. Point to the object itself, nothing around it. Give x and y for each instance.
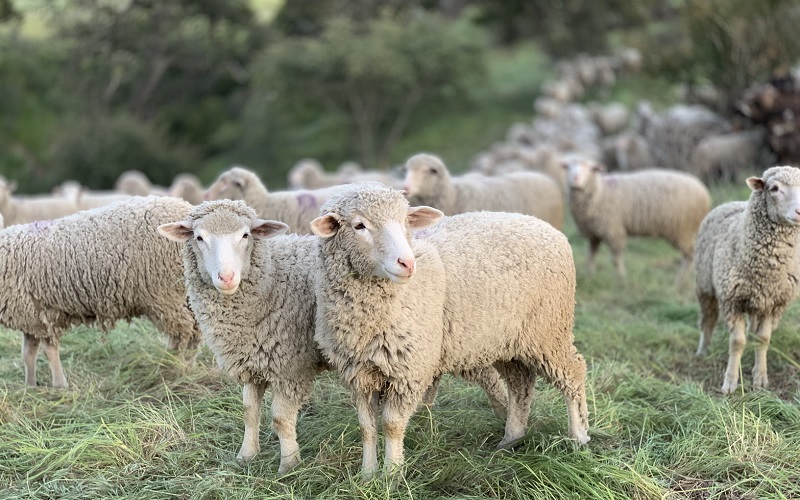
(747, 264)
(136, 183)
(296, 208)
(477, 290)
(309, 174)
(86, 199)
(428, 182)
(85, 268)
(187, 187)
(631, 152)
(255, 302)
(724, 157)
(611, 118)
(25, 209)
(656, 202)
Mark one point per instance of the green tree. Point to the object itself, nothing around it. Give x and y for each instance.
(371, 76)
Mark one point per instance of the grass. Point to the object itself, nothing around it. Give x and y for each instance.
(139, 423)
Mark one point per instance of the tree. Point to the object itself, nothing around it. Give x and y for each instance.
(373, 75)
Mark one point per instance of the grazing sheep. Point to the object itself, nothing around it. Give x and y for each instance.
(254, 300)
(25, 209)
(136, 183)
(187, 187)
(296, 208)
(255, 303)
(95, 267)
(428, 182)
(658, 203)
(477, 290)
(747, 265)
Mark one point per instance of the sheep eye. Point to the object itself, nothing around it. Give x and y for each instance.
(774, 189)
(199, 238)
(359, 226)
(245, 236)
(434, 171)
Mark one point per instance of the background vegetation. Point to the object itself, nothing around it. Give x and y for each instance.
(137, 423)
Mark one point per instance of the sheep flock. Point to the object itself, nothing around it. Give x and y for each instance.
(395, 278)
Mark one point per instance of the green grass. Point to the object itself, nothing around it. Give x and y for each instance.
(139, 423)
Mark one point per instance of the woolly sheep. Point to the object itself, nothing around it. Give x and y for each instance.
(255, 303)
(25, 209)
(87, 268)
(295, 208)
(477, 290)
(136, 183)
(611, 118)
(86, 199)
(187, 187)
(309, 174)
(658, 203)
(428, 182)
(631, 152)
(747, 265)
(724, 157)
(254, 300)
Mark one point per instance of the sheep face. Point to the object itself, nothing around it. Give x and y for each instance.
(222, 242)
(377, 242)
(580, 172)
(425, 174)
(780, 187)
(230, 185)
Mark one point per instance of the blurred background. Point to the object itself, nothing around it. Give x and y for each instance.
(92, 88)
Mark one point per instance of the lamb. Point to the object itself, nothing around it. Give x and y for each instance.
(477, 290)
(296, 208)
(428, 182)
(187, 187)
(25, 209)
(86, 268)
(255, 302)
(747, 264)
(658, 203)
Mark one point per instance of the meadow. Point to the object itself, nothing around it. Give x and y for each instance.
(137, 422)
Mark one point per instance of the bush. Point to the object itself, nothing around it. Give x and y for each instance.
(95, 150)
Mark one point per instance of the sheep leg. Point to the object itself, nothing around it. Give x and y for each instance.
(709, 312)
(396, 414)
(367, 410)
(594, 244)
(492, 384)
(50, 348)
(30, 348)
(686, 264)
(763, 332)
(571, 381)
(618, 255)
(520, 381)
(736, 343)
(430, 395)
(284, 423)
(252, 397)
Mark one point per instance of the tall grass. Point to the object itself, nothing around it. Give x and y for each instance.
(139, 423)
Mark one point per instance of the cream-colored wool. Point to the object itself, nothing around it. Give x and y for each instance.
(658, 203)
(295, 208)
(262, 335)
(748, 266)
(187, 187)
(25, 209)
(429, 183)
(94, 267)
(489, 290)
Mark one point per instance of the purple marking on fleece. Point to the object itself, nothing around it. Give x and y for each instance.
(39, 225)
(306, 202)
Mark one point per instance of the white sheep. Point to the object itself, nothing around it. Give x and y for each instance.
(94, 267)
(657, 203)
(31, 208)
(295, 208)
(136, 183)
(187, 187)
(255, 302)
(86, 199)
(428, 182)
(477, 290)
(747, 265)
(726, 156)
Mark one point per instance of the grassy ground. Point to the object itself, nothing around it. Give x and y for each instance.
(138, 423)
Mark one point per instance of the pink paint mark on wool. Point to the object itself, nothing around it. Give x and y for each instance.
(306, 202)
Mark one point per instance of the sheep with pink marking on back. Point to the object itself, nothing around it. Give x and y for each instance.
(659, 203)
(478, 290)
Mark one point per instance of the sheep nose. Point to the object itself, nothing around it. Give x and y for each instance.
(227, 277)
(407, 264)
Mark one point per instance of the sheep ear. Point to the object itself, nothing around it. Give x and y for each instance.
(263, 229)
(756, 183)
(326, 225)
(422, 217)
(177, 231)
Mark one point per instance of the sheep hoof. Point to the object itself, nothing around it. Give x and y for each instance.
(289, 464)
(245, 456)
(760, 381)
(508, 444)
(729, 387)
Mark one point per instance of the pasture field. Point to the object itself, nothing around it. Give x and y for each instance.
(139, 423)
